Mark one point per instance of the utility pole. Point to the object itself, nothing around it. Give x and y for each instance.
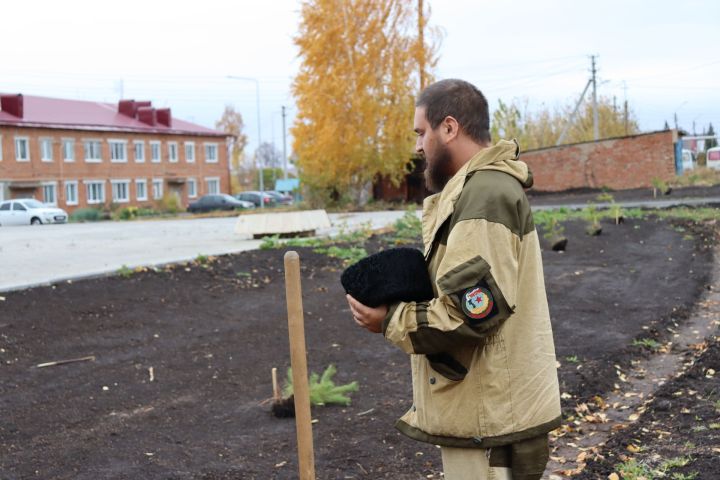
(596, 128)
(284, 113)
(572, 115)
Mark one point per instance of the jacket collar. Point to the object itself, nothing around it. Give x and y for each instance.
(439, 207)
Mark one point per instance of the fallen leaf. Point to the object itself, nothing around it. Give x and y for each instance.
(613, 476)
(633, 448)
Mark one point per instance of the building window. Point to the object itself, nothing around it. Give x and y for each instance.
(93, 151)
(68, 148)
(120, 191)
(141, 189)
(157, 185)
(71, 193)
(50, 193)
(139, 152)
(192, 188)
(46, 149)
(173, 152)
(118, 151)
(22, 152)
(155, 152)
(211, 150)
(213, 185)
(190, 152)
(95, 191)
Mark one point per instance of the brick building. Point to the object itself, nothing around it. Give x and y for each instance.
(617, 163)
(74, 154)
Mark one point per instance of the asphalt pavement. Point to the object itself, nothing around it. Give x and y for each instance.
(39, 255)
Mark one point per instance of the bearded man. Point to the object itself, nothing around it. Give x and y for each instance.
(485, 384)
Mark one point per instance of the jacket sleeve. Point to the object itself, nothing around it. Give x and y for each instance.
(476, 286)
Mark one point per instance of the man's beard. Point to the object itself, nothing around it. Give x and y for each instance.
(437, 173)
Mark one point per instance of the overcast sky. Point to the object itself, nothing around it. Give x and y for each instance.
(178, 54)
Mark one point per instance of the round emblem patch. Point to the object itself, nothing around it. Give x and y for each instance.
(477, 302)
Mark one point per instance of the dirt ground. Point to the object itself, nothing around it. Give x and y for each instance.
(211, 334)
(682, 421)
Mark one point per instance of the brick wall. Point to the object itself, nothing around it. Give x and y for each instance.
(174, 176)
(621, 163)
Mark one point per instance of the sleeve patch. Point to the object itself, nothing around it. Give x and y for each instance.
(478, 303)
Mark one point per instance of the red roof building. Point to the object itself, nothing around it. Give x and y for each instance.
(73, 153)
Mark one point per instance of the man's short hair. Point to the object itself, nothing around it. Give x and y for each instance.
(462, 101)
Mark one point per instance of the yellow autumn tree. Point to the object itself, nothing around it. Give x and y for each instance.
(355, 92)
(543, 127)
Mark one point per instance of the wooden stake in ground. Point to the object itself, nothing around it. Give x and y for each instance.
(298, 362)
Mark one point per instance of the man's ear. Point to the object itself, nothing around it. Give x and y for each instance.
(449, 129)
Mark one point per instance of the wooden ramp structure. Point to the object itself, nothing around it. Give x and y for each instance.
(302, 223)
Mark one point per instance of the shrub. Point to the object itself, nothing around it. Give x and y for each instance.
(169, 204)
(408, 228)
(126, 213)
(86, 215)
(323, 390)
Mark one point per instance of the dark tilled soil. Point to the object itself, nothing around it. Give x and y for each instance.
(681, 421)
(212, 334)
(584, 195)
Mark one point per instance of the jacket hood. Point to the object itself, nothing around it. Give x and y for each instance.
(503, 157)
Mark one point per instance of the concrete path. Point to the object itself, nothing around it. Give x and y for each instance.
(31, 256)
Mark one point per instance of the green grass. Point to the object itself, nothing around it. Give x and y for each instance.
(125, 271)
(572, 359)
(647, 343)
(348, 255)
(634, 470)
(700, 214)
(408, 228)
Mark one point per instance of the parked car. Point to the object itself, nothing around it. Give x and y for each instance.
(280, 198)
(712, 157)
(254, 197)
(28, 211)
(219, 201)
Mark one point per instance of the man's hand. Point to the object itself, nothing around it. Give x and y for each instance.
(367, 317)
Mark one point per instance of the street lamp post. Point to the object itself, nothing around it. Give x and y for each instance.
(259, 160)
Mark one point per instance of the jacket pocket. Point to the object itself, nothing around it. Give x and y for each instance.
(447, 366)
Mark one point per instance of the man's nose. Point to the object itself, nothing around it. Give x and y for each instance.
(418, 146)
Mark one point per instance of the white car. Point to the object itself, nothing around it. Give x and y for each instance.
(28, 211)
(712, 157)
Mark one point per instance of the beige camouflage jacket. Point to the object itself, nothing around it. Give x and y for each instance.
(482, 353)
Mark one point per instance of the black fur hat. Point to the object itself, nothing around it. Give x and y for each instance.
(397, 274)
